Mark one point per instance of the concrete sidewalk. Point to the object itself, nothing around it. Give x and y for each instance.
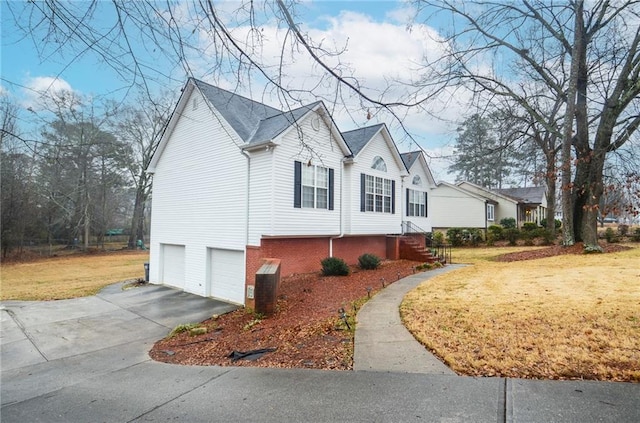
(382, 343)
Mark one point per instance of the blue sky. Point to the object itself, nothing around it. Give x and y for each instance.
(377, 46)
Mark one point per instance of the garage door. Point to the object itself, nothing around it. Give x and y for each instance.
(226, 275)
(173, 265)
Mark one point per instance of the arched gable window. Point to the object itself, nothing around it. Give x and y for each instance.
(417, 180)
(379, 164)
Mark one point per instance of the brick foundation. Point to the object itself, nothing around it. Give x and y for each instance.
(303, 255)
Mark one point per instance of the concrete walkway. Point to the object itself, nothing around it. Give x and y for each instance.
(383, 344)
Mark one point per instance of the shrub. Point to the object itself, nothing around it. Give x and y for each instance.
(610, 235)
(334, 266)
(529, 226)
(496, 232)
(472, 236)
(491, 240)
(545, 234)
(623, 230)
(438, 238)
(636, 235)
(508, 223)
(557, 222)
(512, 235)
(368, 261)
(455, 236)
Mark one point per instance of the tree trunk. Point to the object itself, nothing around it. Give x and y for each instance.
(137, 221)
(551, 191)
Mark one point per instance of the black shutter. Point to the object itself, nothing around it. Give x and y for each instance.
(330, 189)
(393, 197)
(362, 192)
(426, 205)
(408, 214)
(297, 185)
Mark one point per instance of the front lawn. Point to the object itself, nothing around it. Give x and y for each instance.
(563, 317)
(71, 276)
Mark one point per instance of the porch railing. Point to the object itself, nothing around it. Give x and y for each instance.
(442, 251)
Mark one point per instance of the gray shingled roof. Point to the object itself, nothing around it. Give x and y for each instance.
(410, 158)
(529, 195)
(358, 138)
(254, 122)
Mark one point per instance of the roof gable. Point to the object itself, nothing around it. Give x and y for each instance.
(485, 192)
(410, 160)
(356, 139)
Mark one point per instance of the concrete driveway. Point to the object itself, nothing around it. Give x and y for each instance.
(85, 360)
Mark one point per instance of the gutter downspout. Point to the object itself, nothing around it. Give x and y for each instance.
(341, 214)
(246, 235)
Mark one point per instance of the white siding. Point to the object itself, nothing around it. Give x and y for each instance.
(424, 223)
(505, 208)
(275, 214)
(199, 194)
(453, 208)
(372, 222)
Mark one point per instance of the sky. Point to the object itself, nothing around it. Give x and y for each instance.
(375, 38)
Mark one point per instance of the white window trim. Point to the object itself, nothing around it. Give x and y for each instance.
(317, 188)
(378, 194)
(491, 212)
(417, 203)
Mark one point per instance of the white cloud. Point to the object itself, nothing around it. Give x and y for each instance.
(42, 91)
(385, 58)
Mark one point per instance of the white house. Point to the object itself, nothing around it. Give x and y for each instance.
(418, 193)
(236, 181)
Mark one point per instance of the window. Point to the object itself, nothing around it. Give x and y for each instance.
(313, 187)
(417, 180)
(378, 194)
(379, 164)
(490, 212)
(416, 203)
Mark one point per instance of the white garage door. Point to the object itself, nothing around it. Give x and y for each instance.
(226, 276)
(173, 265)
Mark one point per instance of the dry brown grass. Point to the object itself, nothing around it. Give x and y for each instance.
(563, 317)
(70, 276)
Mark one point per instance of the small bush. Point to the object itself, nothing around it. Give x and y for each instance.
(512, 235)
(636, 235)
(438, 238)
(556, 222)
(529, 226)
(472, 236)
(454, 235)
(610, 235)
(491, 240)
(334, 266)
(545, 234)
(508, 223)
(368, 261)
(623, 230)
(496, 231)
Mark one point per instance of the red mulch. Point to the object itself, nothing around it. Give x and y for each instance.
(556, 250)
(306, 330)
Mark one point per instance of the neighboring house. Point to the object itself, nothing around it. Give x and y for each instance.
(455, 207)
(532, 203)
(236, 181)
(503, 206)
(471, 206)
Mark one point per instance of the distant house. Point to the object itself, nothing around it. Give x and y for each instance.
(237, 181)
(532, 203)
(471, 206)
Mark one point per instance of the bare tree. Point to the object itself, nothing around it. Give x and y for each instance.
(141, 127)
(536, 52)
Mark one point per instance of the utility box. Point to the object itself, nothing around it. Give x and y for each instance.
(266, 287)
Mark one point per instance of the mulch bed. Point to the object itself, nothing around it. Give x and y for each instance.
(556, 250)
(306, 331)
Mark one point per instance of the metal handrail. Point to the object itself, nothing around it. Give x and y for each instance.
(442, 251)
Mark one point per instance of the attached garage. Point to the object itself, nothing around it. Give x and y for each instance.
(172, 265)
(226, 275)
